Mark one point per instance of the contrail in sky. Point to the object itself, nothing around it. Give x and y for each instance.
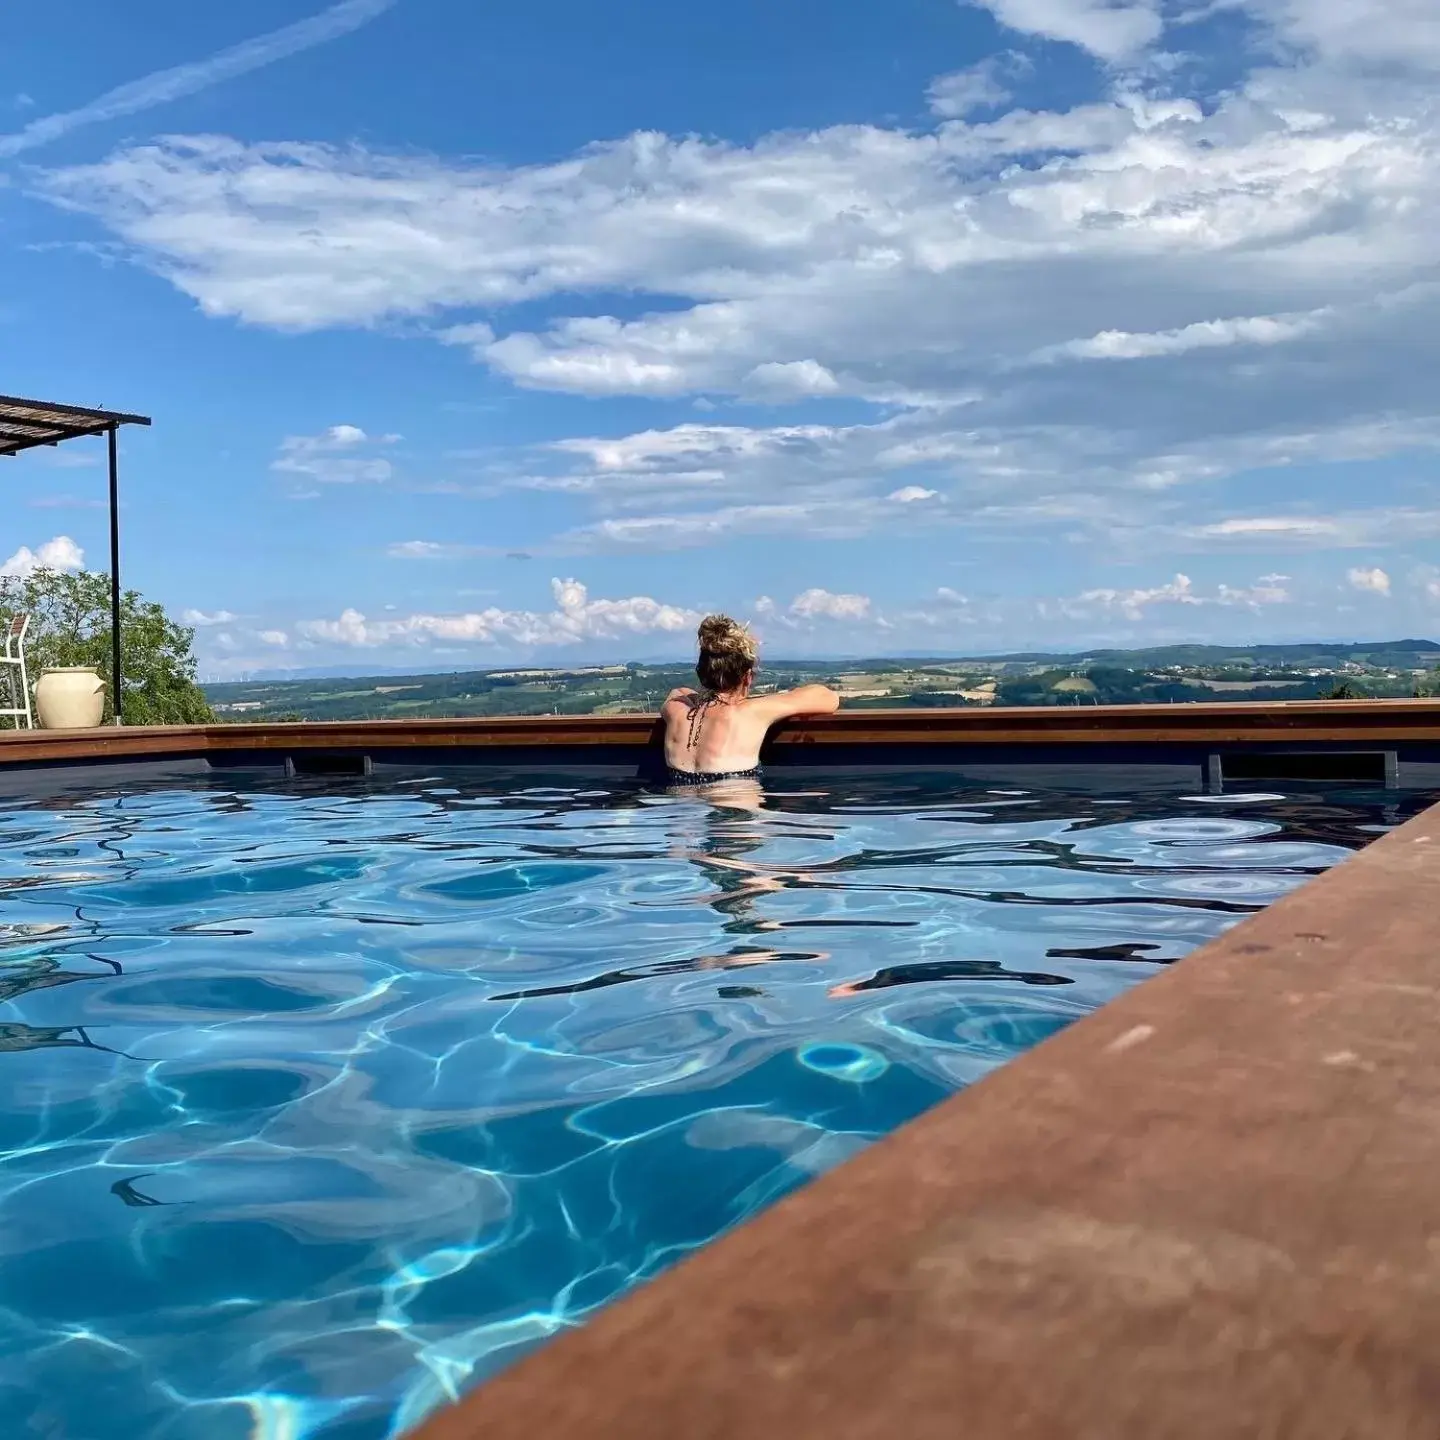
(174, 84)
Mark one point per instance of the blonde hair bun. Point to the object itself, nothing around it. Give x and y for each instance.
(727, 652)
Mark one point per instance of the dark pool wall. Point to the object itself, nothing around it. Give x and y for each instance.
(1188, 748)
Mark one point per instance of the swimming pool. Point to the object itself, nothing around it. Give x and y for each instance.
(319, 1102)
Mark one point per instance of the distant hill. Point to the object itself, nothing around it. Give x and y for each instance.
(1165, 674)
(1403, 654)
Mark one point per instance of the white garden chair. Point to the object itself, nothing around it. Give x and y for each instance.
(14, 661)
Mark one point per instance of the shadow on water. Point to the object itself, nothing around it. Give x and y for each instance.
(16, 1038)
(932, 971)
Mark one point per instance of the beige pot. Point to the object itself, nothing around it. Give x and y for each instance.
(70, 697)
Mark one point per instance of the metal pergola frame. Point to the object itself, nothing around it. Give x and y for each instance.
(29, 424)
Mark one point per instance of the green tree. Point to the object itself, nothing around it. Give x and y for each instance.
(70, 625)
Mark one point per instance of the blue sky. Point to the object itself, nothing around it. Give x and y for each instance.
(476, 333)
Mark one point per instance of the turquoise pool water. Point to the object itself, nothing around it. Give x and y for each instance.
(319, 1103)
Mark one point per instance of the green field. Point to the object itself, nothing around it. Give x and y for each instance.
(1174, 675)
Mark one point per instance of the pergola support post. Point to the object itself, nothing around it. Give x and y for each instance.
(26, 424)
(117, 677)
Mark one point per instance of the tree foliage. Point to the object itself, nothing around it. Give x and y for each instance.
(70, 625)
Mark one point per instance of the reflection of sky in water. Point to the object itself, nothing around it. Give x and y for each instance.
(319, 1104)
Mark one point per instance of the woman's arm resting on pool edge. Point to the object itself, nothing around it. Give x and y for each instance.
(806, 700)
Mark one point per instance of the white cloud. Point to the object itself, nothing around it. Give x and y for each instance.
(685, 445)
(1133, 604)
(201, 619)
(174, 84)
(1389, 526)
(683, 532)
(276, 638)
(61, 553)
(576, 618)
(983, 86)
(924, 272)
(1203, 335)
(818, 604)
(792, 380)
(1363, 32)
(1261, 257)
(1111, 29)
(435, 550)
(1269, 527)
(1267, 590)
(332, 458)
(1373, 581)
(909, 494)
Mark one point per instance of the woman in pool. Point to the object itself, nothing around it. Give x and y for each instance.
(715, 733)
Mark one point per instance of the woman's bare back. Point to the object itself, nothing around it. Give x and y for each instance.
(721, 735)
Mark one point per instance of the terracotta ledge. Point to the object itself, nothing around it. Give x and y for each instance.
(1306, 722)
(1207, 1211)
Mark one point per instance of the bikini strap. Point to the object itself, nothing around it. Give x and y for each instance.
(697, 720)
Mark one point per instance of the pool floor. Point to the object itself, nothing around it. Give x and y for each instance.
(319, 1102)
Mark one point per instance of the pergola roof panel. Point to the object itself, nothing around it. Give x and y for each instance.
(26, 424)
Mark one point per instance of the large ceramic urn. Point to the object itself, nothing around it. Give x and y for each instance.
(70, 697)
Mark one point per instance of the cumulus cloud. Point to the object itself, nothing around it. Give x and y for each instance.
(1133, 604)
(1113, 30)
(576, 618)
(1373, 581)
(1046, 318)
(61, 553)
(816, 604)
(792, 380)
(1261, 264)
(202, 619)
(1368, 32)
(984, 86)
(341, 455)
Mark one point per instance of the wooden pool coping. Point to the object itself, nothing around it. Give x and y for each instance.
(1205, 1211)
(1307, 722)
